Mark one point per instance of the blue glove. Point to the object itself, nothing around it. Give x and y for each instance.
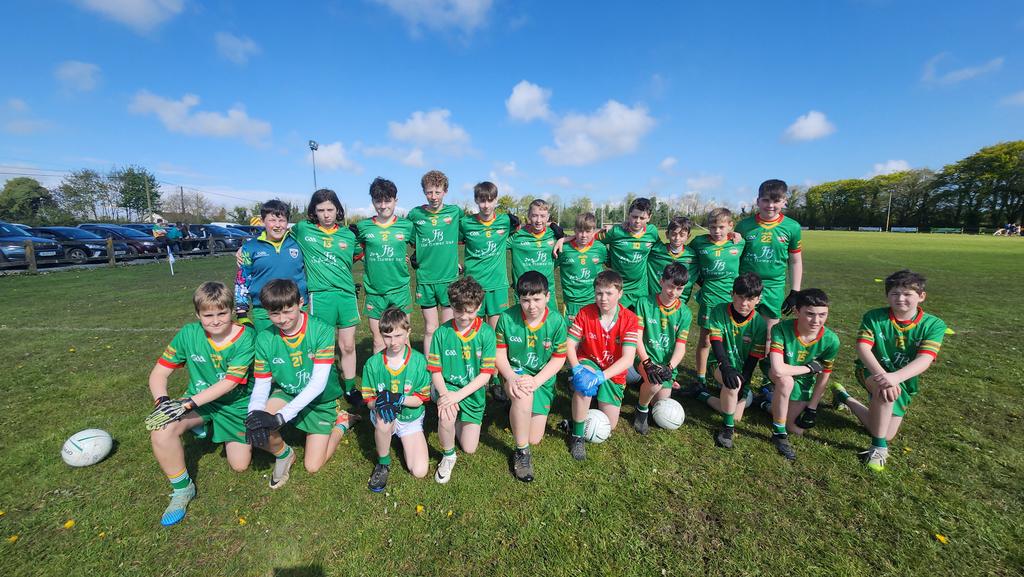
(586, 381)
(388, 405)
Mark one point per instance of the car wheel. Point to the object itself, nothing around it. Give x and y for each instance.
(132, 252)
(77, 255)
(219, 246)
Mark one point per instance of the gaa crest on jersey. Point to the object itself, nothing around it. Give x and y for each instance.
(647, 244)
(595, 260)
(547, 345)
(399, 236)
(447, 220)
(294, 252)
(782, 239)
(733, 251)
(343, 245)
(501, 231)
(551, 243)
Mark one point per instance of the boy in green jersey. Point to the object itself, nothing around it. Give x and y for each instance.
(579, 262)
(461, 362)
(665, 323)
(531, 350)
(218, 354)
(328, 252)
(737, 339)
(771, 249)
(485, 237)
(532, 244)
(802, 353)
(718, 261)
(895, 345)
(395, 385)
(385, 265)
(674, 251)
(436, 236)
(296, 383)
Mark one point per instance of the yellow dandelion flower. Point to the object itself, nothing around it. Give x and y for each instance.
(419, 509)
(69, 523)
(12, 539)
(941, 538)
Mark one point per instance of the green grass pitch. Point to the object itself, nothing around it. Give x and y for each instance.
(78, 346)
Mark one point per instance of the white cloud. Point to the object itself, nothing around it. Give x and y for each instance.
(1016, 99)
(615, 129)
(932, 76)
(528, 102)
(17, 105)
(235, 48)
(810, 126)
(668, 163)
(178, 116)
(140, 15)
(568, 183)
(432, 128)
(507, 168)
(466, 15)
(413, 157)
(26, 126)
(333, 156)
(76, 76)
(705, 182)
(889, 167)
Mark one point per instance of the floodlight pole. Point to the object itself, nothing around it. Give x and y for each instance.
(313, 146)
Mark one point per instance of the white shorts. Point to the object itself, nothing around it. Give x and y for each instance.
(403, 428)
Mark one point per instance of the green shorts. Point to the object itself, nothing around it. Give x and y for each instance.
(609, 391)
(704, 312)
(227, 421)
(573, 308)
(630, 299)
(335, 308)
(802, 388)
(543, 397)
(471, 409)
(377, 304)
(317, 418)
(432, 295)
(772, 295)
(495, 302)
(902, 404)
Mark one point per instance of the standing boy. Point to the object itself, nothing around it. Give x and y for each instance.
(532, 244)
(629, 244)
(461, 362)
(674, 251)
(895, 345)
(271, 255)
(601, 347)
(531, 350)
(485, 236)
(218, 354)
(579, 262)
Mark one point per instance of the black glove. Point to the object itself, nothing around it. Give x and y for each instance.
(806, 418)
(167, 411)
(557, 230)
(731, 378)
(259, 438)
(513, 221)
(790, 303)
(388, 405)
(656, 373)
(413, 262)
(815, 367)
(264, 420)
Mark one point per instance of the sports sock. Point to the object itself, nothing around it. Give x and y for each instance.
(841, 394)
(385, 460)
(879, 442)
(350, 385)
(525, 447)
(448, 452)
(578, 427)
(702, 378)
(779, 428)
(729, 420)
(703, 396)
(642, 408)
(181, 480)
(283, 454)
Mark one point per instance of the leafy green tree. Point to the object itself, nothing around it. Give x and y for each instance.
(24, 200)
(240, 215)
(82, 194)
(136, 190)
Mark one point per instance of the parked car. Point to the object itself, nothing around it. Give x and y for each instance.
(221, 237)
(12, 246)
(239, 233)
(139, 244)
(253, 231)
(80, 245)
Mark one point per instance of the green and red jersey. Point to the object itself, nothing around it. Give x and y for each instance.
(532, 251)
(461, 356)
(410, 379)
(719, 265)
(289, 359)
(627, 255)
(768, 245)
(662, 326)
(578, 267)
(437, 243)
(660, 257)
(328, 255)
(824, 347)
(604, 346)
(384, 251)
(530, 347)
(896, 343)
(486, 249)
(209, 363)
(741, 339)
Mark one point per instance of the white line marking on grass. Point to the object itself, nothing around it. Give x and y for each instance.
(51, 328)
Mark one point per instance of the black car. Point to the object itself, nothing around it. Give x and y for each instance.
(12, 246)
(139, 244)
(252, 231)
(80, 245)
(222, 238)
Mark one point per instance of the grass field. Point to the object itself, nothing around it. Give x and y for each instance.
(78, 346)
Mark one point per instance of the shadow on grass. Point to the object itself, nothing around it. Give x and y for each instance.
(313, 570)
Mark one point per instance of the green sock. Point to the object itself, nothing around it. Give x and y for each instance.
(284, 452)
(642, 408)
(728, 420)
(385, 460)
(702, 379)
(181, 480)
(879, 442)
(350, 385)
(778, 428)
(703, 396)
(841, 394)
(448, 452)
(578, 427)
(525, 447)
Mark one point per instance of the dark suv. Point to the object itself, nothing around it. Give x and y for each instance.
(80, 245)
(12, 246)
(139, 244)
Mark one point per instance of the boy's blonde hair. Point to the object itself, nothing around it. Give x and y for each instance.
(393, 318)
(586, 221)
(213, 295)
(539, 203)
(718, 214)
(434, 178)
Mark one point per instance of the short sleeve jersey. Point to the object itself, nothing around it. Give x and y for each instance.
(795, 351)
(529, 348)
(461, 357)
(768, 244)
(437, 243)
(384, 251)
(662, 326)
(604, 347)
(411, 378)
(719, 265)
(328, 255)
(578, 267)
(264, 261)
(895, 343)
(486, 249)
(627, 255)
(208, 364)
(289, 360)
(740, 339)
(532, 251)
(661, 257)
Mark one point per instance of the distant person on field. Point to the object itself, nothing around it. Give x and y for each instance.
(174, 237)
(271, 255)
(895, 345)
(218, 354)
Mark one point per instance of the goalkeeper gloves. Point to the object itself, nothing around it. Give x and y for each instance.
(790, 303)
(731, 378)
(168, 410)
(388, 405)
(586, 380)
(656, 373)
(815, 367)
(264, 420)
(807, 418)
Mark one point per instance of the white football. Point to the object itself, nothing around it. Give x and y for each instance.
(87, 447)
(597, 428)
(668, 414)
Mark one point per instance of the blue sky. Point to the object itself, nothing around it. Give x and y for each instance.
(566, 99)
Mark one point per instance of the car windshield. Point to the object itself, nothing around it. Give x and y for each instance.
(132, 233)
(76, 233)
(11, 230)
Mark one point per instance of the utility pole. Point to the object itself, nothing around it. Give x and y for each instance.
(149, 203)
(181, 190)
